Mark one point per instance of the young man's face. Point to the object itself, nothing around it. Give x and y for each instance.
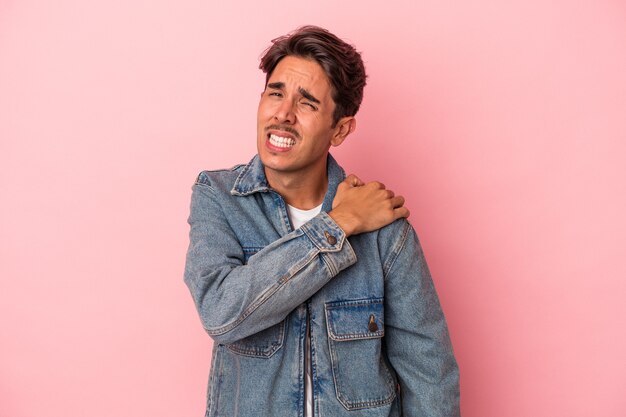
(294, 119)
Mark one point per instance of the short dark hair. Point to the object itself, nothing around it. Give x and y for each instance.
(341, 62)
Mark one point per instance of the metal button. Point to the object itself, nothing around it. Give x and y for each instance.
(330, 238)
(372, 326)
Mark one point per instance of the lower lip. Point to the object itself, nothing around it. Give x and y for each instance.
(273, 148)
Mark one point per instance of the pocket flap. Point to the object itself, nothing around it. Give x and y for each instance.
(358, 319)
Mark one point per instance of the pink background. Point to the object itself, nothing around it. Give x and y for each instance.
(503, 125)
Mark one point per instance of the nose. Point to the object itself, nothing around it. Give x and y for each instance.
(284, 113)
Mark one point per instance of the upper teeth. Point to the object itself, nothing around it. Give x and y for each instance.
(281, 142)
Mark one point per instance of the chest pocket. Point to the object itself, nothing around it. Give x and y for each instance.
(361, 374)
(266, 342)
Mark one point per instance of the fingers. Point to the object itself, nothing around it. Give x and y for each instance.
(401, 212)
(353, 181)
(397, 201)
(376, 191)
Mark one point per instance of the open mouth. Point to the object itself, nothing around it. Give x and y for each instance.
(281, 142)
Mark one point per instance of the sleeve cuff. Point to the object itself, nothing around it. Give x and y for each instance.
(331, 241)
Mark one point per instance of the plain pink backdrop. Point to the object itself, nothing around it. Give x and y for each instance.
(504, 125)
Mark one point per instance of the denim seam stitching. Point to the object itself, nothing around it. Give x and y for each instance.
(329, 264)
(354, 336)
(398, 247)
(262, 299)
(259, 352)
(214, 386)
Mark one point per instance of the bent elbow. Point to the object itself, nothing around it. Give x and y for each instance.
(223, 338)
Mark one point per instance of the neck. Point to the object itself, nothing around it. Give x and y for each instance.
(301, 191)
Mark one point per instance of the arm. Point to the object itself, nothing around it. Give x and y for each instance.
(416, 334)
(236, 300)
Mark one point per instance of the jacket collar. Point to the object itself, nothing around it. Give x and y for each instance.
(252, 180)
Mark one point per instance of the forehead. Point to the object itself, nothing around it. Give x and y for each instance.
(298, 72)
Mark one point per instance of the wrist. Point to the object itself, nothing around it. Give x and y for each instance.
(343, 221)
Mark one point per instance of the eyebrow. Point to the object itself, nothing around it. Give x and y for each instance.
(308, 95)
(279, 85)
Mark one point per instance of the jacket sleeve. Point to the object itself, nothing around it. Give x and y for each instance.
(236, 299)
(416, 334)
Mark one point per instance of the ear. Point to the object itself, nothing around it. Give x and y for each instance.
(345, 126)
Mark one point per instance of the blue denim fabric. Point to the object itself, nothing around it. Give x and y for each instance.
(379, 340)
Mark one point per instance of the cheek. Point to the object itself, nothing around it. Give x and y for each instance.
(263, 110)
(269, 105)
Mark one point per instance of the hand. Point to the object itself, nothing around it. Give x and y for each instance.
(360, 207)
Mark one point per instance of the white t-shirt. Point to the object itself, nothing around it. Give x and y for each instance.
(298, 218)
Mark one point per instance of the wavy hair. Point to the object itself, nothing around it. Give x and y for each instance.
(340, 61)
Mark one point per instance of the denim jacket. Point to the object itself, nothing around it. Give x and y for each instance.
(379, 340)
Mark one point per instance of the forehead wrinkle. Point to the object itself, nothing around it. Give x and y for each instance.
(289, 76)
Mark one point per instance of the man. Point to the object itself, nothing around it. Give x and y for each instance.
(312, 285)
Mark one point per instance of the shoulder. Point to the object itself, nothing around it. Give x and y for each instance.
(396, 238)
(395, 233)
(219, 178)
